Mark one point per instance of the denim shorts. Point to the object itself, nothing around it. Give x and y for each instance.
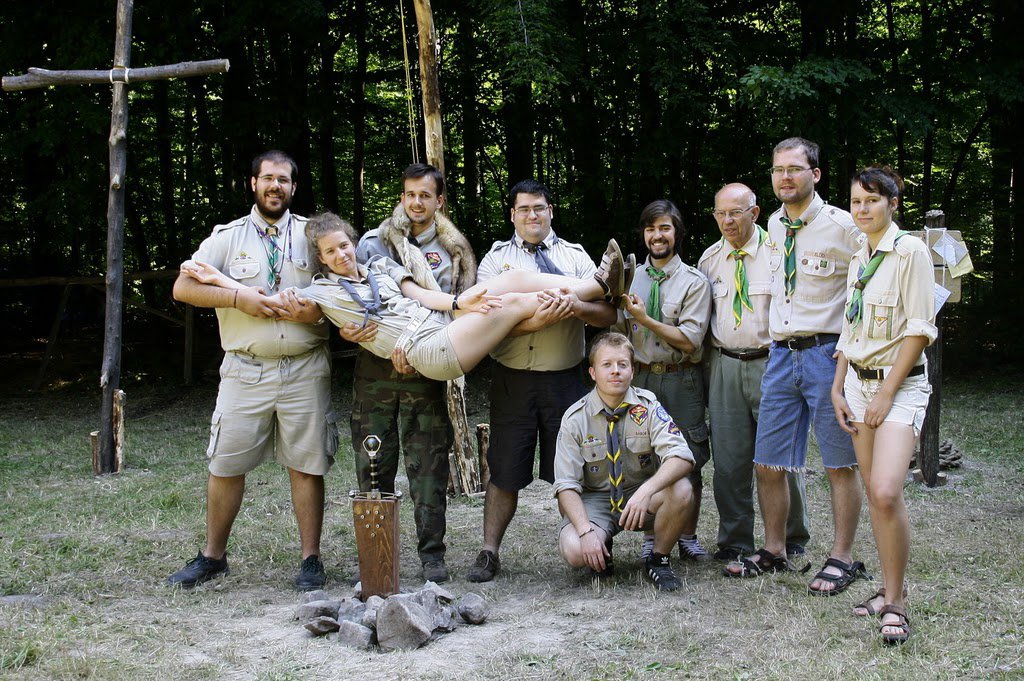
(796, 393)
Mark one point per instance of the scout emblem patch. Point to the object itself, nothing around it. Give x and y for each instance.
(639, 414)
(673, 428)
(662, 414)
(433, 259)
(594, 469)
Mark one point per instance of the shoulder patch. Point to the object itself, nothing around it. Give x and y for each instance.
(662, 414)
(638, 413)
(673, 428)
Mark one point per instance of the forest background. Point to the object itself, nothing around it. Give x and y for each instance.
(612, 104)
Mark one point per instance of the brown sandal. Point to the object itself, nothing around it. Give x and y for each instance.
(868, 608)
(903, 624)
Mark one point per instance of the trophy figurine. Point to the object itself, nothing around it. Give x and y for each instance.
(375, 514)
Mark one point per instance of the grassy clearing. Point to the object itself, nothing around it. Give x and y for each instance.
(97, 550)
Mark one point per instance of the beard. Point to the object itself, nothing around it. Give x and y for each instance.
(273, 213)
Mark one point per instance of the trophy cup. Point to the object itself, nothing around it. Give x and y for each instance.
(375, 514)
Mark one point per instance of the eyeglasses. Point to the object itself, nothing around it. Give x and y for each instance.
(732, 214)
(788, 171)
(524, 211)
(270, 179)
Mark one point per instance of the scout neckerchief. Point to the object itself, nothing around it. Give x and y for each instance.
(369, 307)
(855, 308)
(789, 247)
(275, 254)
(540, 256)
(742, 298)
(654, 296)
(615, 477)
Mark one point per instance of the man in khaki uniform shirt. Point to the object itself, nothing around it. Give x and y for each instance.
(621, 433)
(665, 316)
(812, 245)
(274, 396)
(736, 364)
(536, 374)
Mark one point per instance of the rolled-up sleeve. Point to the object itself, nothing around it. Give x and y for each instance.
(568, 459)
(695, 312)
(917, 283)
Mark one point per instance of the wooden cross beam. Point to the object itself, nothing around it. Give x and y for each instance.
(119, 76)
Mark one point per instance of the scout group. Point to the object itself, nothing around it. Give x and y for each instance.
(818, 320)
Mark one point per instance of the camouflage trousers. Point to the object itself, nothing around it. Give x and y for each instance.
(408, 413)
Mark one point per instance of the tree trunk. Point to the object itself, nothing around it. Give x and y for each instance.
(471, 138)
(172, 245)
(359, 116)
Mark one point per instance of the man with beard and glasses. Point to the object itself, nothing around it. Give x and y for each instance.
(274, 397)
(665, 316)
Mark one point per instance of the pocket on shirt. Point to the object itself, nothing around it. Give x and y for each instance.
(719, 289)
(880, 308)
(595, 465)
(817, 267)
(240, 271)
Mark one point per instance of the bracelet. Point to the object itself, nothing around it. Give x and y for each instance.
(455, 303)
(234, 303)
(584, 534)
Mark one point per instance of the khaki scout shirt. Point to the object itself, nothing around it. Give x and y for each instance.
(649, 437)
(559, 346)
(685, 304)
(437, 258)
(237, 250)
(398, 315)
(720, 269)
(899, 301)
(824, 246)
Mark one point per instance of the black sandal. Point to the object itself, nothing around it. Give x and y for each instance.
(868, 608)
(761, 562)
(848, 574)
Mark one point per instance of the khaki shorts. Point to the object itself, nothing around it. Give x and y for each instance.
(278, 408)
(432, 354)
(908, 406)
(599, 512)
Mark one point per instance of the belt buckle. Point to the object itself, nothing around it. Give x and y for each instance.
(657, 367)
(791, 344)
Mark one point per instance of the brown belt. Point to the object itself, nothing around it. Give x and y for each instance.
(745, 355)
(666, 367)
(866, 374)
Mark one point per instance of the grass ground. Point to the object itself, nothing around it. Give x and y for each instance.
(96, 550)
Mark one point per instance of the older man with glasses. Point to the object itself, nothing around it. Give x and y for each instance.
(737, 268)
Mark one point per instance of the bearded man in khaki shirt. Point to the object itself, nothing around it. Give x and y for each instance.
(812, 246)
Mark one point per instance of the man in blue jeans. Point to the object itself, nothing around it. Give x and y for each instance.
(812, 244)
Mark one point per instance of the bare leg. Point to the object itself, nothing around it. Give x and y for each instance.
(223, 499)
(671, 506)
(773, 497)
(473, 335)
(308, 501)
(499, 509)
(893, 447)
(520, 281)
(846, 502)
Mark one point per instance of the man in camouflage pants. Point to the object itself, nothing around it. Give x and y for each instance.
(390, 399)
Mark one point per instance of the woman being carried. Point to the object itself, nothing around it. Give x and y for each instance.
(880, 392)
(416, 320)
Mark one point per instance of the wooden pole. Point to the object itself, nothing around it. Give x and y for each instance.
(429, 84)
(928, 460)
(110, 374)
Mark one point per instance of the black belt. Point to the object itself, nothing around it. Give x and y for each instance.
(879, 374)
(746, 355)
(805, 342)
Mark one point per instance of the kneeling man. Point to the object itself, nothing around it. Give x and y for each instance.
(620, 463)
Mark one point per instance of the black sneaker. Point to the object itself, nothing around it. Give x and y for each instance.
(727, 554)
(659, 569)
(311, 575)
(435, 571)
(485, 567)
(198, 570)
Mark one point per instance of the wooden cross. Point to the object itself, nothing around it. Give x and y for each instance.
(119, 77)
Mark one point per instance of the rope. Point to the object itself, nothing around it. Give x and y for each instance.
(409, 105)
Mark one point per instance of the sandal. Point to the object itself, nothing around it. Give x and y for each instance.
(903, 625)
(848, 573)
(761, 562)
(868, 608)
